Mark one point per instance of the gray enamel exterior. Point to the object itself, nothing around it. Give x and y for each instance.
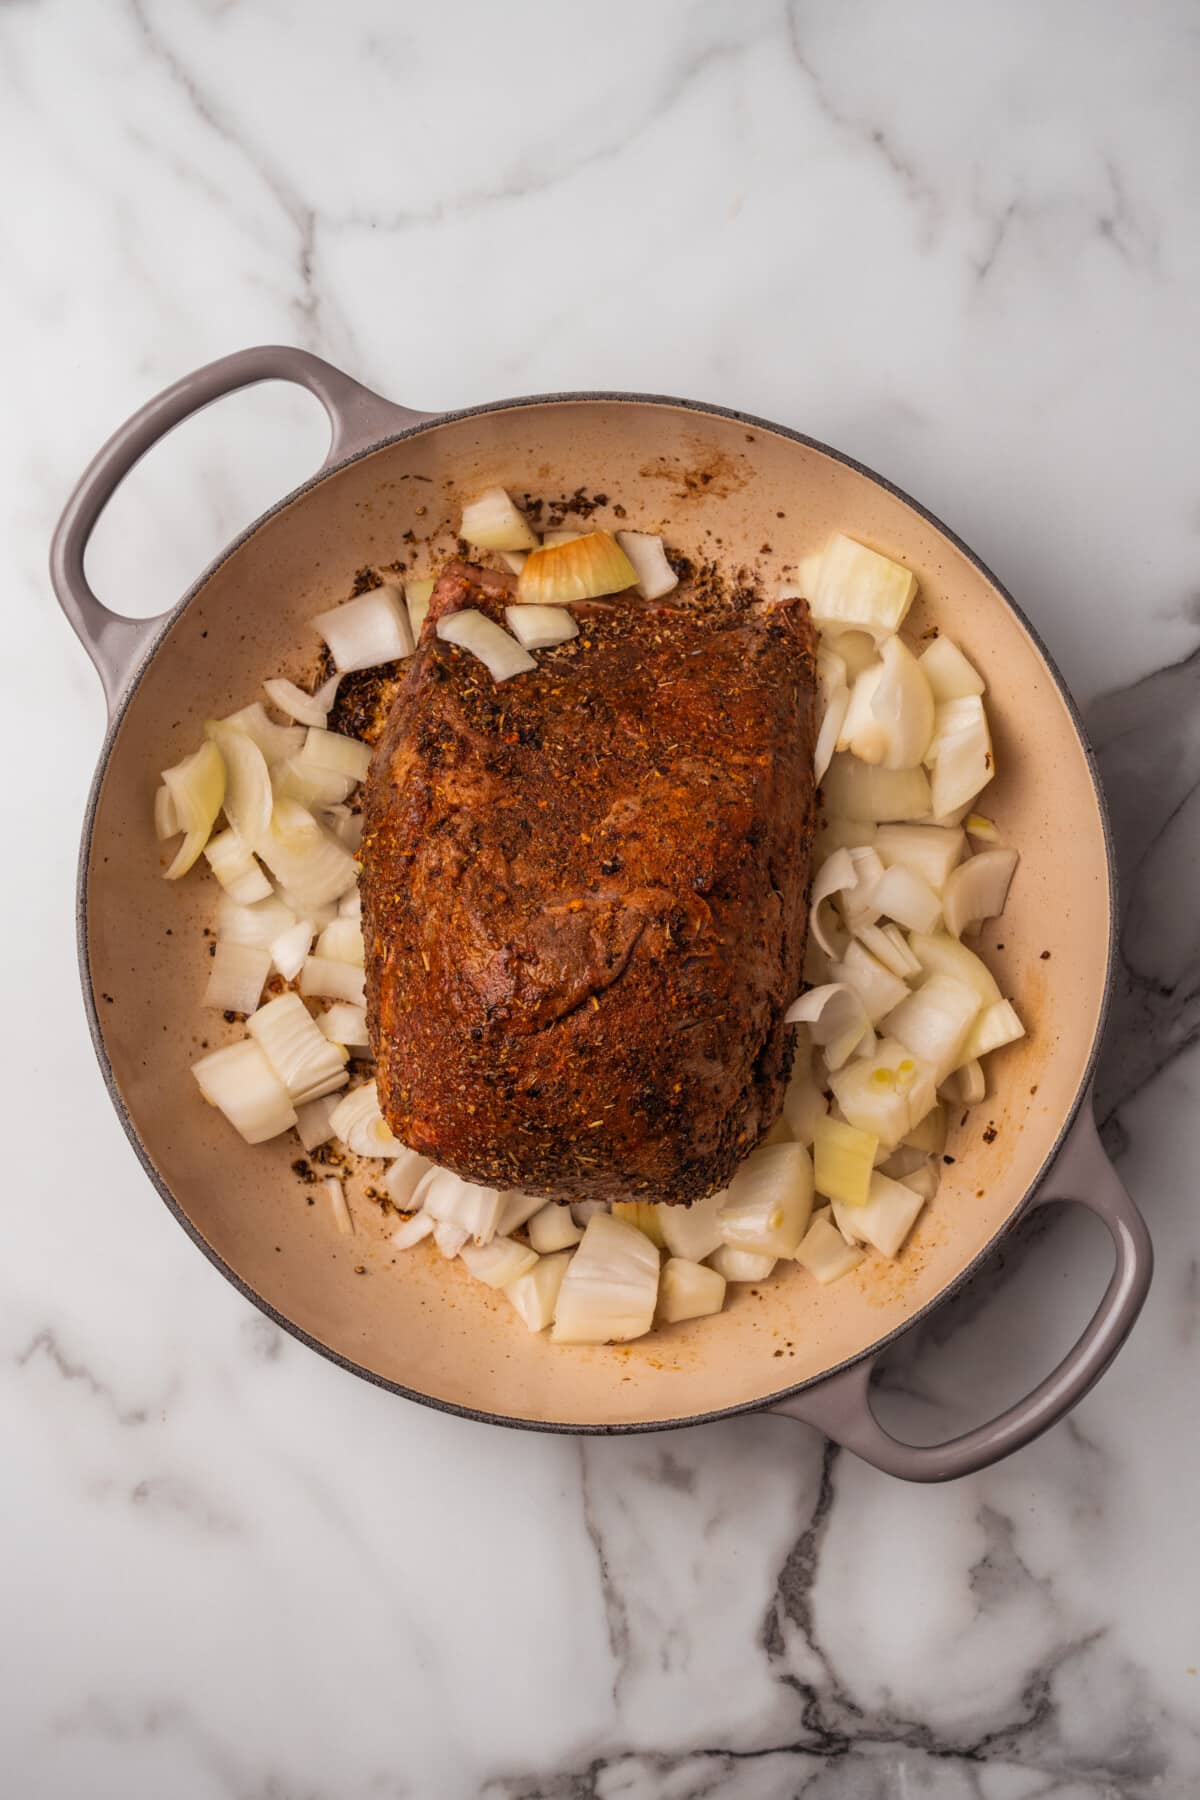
(1075, 1168)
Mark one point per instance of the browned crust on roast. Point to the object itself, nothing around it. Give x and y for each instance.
(584, 895)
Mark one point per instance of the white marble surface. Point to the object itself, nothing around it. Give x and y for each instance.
(959, 241)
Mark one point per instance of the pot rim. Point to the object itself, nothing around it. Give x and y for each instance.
(764, 1403)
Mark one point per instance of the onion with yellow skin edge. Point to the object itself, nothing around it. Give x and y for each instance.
(584, 569)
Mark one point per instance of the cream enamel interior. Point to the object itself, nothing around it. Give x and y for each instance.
(716, 487)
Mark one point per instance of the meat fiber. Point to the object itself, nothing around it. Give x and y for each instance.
(585, 895)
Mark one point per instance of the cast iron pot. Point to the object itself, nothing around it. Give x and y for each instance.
(417, 1324)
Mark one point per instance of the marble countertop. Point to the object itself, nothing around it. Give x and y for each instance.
(959, 242)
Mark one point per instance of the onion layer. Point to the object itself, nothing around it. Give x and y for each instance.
(655, 576)
(687, 1290)
(610, 1288)
(584, 569)
(367, 631)
(858, 589)
(500, 654)
(197, 789)
(242, 1084)
(978, 890)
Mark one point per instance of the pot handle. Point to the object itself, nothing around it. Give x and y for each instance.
(840, 1406)
(357, 417)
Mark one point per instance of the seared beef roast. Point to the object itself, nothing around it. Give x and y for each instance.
(585, 894)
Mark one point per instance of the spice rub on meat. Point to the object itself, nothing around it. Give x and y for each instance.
(585, 894)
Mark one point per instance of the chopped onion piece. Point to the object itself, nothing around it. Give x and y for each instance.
(803, 1101)
(808, 570)
(513, 560)
(930, 851)
(277, 742)
(843, 1161)
(876, 986)
(836, 873)
(655, 576)
(236, 976)
(492, 522)
(350, 905)
(499, 1261)
(314, 787)
(342, 1216)
(887, 1094)
(535, 1294)
(960, 755)
(861, 732)
(301, 1055)
(858, 902)
(335, 752)
(646, 1215)
(516, 1209)
(361, 1126)
(934, 1023)
(305, 709)
(197, 790)
(367, 631)
(856, 649)
(844, 834)
(342, 941)
(837, 1019)
(347, 828)
(996, 1026)
(404, 1174)
(766, 1206)
(345, 1024)
(948, 672)
(412, 1230)
(452, 1201)
(232, 862)
(968, 1083)
(449, 1238)
(859, 791)
(887, 943)
(857, 588)
(540, 627)
(741, 1265)
(259, 924)
(241, 1083)
(940, 954)
(306, 859)
(903, 895)
(824, 1252)
(930, 1134)
(552, 1229)
(291, 947)
(984, 830)
(312, 1122)
(694, 1231)
(609, 1291)
(166, 818)
(323, 978)
(833, 716)
(473, 631)
(885, 1218)
(687, 1290)
(417, 595)
(902, 1163)
(923, 1181)
(978, 890)
(584, 569)
(901, 708)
